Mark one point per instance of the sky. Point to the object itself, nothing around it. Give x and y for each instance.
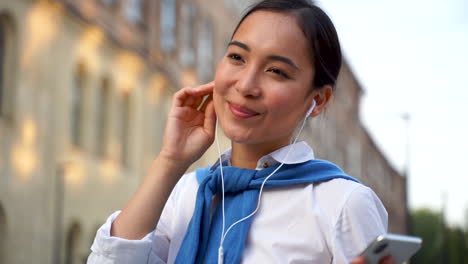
(411, 56)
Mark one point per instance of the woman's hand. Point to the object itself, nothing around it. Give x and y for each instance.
(189, 130)
(386, 260)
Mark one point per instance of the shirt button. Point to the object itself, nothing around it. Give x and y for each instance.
(265, 165)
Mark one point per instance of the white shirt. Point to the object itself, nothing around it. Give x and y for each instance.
(327, 222)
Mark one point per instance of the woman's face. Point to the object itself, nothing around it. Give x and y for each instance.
(262, 84)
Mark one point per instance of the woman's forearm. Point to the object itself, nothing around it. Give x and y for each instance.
(142, 212)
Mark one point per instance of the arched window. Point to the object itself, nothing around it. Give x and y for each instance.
(103, 100)
(168, 25)
(76, 102)
(3, 235)
(72, 255)
(7, 57)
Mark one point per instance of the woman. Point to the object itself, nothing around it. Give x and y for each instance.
(280, 67)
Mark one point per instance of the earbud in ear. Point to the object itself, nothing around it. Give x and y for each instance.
(312, 107)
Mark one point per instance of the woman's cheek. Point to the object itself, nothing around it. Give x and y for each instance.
(280, 100)
(285, 109)
(222, 71)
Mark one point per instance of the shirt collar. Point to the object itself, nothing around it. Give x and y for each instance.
(300, 152)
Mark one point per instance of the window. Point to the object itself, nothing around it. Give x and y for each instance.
(124, 129)
(77, 94)
(205, 53)
(103, 100)
(187, 53)
(134, 11)
(72, 244)
(168, 25)
(7, 51)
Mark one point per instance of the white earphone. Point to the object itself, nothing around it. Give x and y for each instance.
(311, 109)
(224, 233)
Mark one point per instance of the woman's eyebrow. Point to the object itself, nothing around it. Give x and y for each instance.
(283, 59)
(239, 44)
(271, 57)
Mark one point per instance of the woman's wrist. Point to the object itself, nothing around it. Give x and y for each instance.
(172, 162)
(168, 167)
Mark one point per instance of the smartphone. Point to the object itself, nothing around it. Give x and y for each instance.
(400, 247)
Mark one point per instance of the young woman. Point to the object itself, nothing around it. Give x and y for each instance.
(266, 200)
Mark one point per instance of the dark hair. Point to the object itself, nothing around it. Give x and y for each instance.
(319, 31)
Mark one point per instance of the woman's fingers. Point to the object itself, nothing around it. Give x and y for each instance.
(387, 260)
(198, 94)
(359, 260)
(192, 96)
(206, 87)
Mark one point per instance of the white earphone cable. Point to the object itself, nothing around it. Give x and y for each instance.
(220, 250)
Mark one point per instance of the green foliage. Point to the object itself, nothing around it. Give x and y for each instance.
(456, 246)
(441, 243)
(428, 225)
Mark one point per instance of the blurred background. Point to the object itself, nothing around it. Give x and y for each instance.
(85, 88)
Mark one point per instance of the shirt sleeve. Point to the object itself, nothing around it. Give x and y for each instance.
(362, 219)
(154, 247)
(107, 249)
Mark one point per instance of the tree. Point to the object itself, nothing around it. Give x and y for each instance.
(430, 226)
(441, 243)
(456, 246)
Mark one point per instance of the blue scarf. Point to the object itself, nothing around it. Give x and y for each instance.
(241, 186)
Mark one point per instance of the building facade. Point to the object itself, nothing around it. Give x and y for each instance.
(85, 88)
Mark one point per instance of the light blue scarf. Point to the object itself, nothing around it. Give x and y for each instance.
(242, 186)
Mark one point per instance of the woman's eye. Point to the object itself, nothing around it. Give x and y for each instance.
(278, 72)
(234, 56)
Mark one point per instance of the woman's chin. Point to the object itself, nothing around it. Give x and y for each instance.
(240, 139)
(239, 136)
(254, 137)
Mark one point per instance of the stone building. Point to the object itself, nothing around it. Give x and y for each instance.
(84, 92)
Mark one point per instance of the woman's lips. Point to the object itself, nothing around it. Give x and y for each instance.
(241, 112)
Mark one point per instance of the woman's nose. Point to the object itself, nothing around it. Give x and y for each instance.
(248, 83)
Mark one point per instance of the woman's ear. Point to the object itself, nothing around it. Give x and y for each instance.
(322, 97)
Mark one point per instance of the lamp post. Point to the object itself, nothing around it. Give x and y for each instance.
(407, 119)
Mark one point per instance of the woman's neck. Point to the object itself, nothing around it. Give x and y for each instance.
(247, 155)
